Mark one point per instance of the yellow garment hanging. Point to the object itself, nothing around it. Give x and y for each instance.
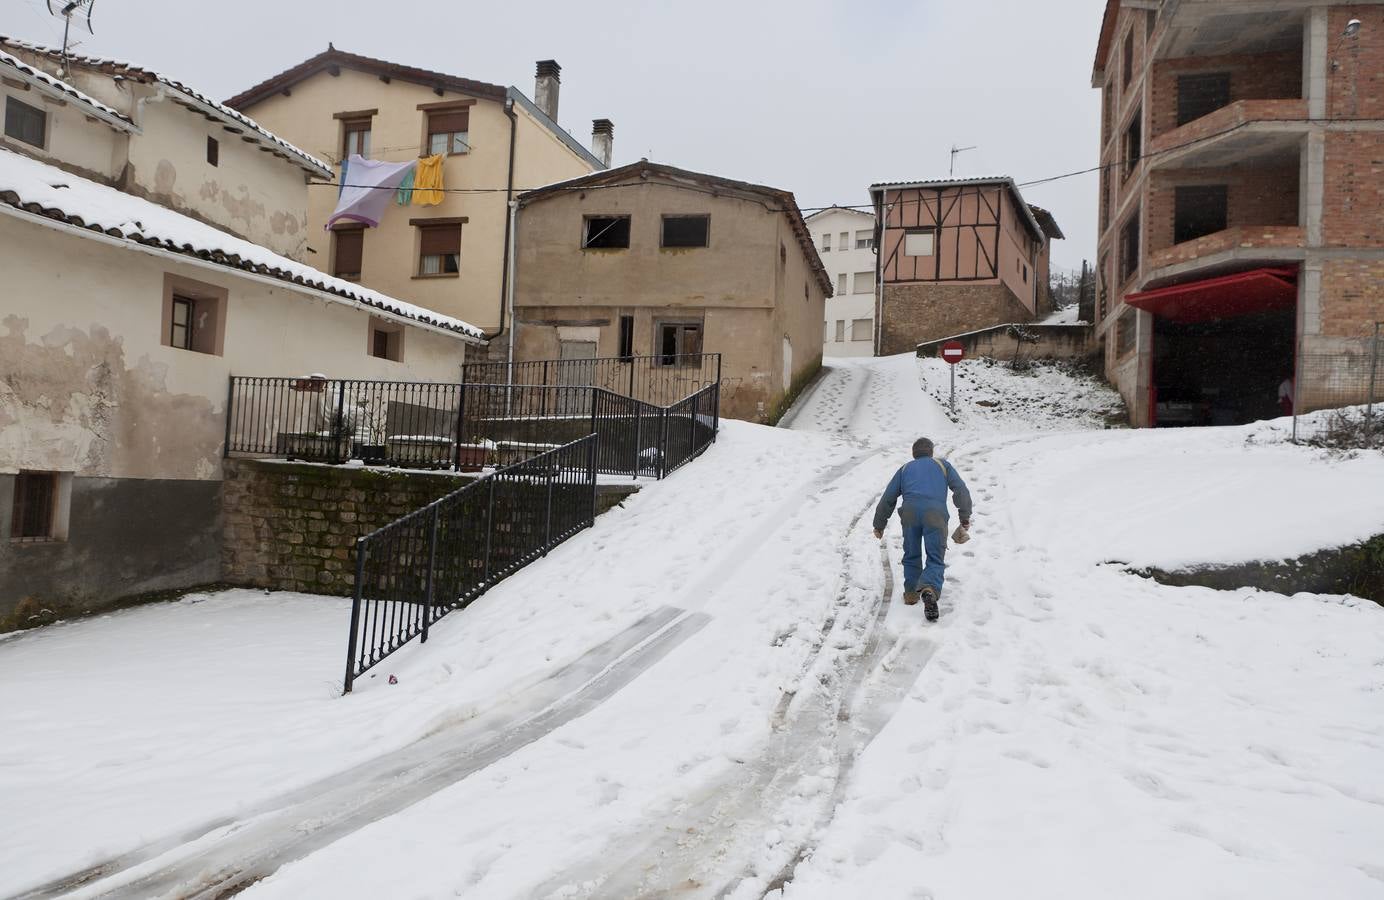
(427, 181)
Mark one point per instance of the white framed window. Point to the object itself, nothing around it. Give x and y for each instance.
(845, 240)
(826, 242)
(919, 242)
(841, 284)
(840, 330)
(864, 283)
(864, 240)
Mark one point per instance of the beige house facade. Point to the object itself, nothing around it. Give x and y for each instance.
(845, 239)
(957, 256)
(121, 322)
(496, 141)
(651, 260)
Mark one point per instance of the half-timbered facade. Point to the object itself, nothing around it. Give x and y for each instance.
(957, 256)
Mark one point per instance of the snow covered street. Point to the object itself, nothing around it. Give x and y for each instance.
(716, 691)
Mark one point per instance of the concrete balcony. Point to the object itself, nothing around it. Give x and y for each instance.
(1236, 245)
(1244, 131)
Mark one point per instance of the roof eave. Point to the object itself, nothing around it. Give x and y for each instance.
(58, 93)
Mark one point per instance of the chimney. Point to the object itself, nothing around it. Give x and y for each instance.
(602, 139)
(546, 85)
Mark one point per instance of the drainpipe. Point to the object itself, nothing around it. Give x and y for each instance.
(879, 267)
(512, 235)
(507, 263)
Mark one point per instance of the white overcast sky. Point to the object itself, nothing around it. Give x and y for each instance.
(820, 98)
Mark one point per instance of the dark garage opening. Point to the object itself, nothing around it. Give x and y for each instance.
(1222, 371)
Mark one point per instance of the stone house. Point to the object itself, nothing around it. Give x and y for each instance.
(124, 313)
(650, 260)
(337, 103)
(1238, 204)
(957, 256)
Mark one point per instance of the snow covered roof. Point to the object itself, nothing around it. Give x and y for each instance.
(55, 86)
(1002, 180)
(39, 188)
(190, 98)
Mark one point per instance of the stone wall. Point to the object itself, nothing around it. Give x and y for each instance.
(999, 342)
(293, 526)
(917, 312)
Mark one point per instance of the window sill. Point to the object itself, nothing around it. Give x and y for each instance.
(435, 277)
(603, 249)
(36, 542)
(193, 352)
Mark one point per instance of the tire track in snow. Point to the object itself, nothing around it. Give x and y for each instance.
(227, 855)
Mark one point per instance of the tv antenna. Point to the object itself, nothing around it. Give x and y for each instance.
(951, 170)
(79, 8)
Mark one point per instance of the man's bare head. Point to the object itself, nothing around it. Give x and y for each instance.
(922, 447)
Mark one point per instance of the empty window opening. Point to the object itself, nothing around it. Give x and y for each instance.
(679, 343)
(1129, 247)
(919, 241)
(1128, 58)
(213, 151)
(439, 250)
(686, 231)
(1198, 95)
(1134, 142)
(627, 338)
(350, 248)
(25, 123)
(1107, 113)
(386, 340)
(355, 137)
(606, 233)
(41, 502)
(1198, 210)
(449, 131)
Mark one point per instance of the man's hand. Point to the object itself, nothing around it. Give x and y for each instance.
(879, 535)
(966, 524)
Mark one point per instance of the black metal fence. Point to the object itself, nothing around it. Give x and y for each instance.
(1338, 396)
(660, 380)
(469, 427)
(415, 570)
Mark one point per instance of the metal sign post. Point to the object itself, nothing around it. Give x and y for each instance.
(953, 352)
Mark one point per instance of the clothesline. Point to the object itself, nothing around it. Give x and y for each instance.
(366, 185)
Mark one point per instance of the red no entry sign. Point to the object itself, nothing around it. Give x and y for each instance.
(953, 352)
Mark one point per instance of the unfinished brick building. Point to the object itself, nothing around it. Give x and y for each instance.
(1241, 224)
(957, 256)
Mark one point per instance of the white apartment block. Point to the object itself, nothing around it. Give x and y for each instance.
(845, 242)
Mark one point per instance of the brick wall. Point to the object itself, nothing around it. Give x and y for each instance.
(1255, 196)
(293, 526)
(1265, 76)
(1354, 190)
(1351, 299)
(1355, 88)
(919, 312)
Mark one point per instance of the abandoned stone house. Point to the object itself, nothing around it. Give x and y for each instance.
(1239, 205)
(149, 244)
(651, 260)
(956, 256)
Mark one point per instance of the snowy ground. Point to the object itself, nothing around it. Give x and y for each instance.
(708, 693)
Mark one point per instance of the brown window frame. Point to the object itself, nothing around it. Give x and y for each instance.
(348, 233)
(679, 357)
(385, 340)
(205, 330)
(437, 119)
(353, 126)
(427, 232)
(35, 504)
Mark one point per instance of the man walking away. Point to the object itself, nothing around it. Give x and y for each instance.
(923, 485)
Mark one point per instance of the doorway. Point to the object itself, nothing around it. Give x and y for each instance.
(1223, 371)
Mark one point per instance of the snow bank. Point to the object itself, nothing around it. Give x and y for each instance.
(1049, 395)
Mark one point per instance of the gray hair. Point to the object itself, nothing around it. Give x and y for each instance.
(922, 447)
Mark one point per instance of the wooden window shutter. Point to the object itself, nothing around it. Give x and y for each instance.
(448, 122)
(349, 245)
(439, 239)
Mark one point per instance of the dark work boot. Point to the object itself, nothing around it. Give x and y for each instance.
(910, 598)
(930, 610)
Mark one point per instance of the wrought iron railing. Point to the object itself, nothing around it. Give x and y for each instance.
(469, 427)
(660, 380)
(415, 570)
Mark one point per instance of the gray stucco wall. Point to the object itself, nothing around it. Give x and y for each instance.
(126, 536)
